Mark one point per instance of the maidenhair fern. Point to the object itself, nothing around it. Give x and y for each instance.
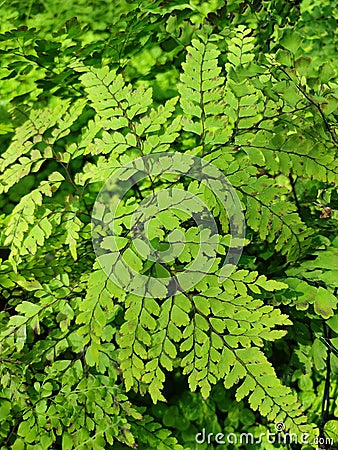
(90, 342)
(203, 330)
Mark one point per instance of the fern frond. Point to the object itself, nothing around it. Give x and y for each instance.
(320, 270)
(313, 282)
(26, 155)
(26, 230)
(151, 435)
(201, 95)
(244, 102)
(262, 114)
(272, 216)
(125, 116)
(303, 293)
(73, 225)
(214, 335)
(92, 316)
(301, 152)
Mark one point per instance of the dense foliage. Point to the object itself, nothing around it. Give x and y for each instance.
(250, 87)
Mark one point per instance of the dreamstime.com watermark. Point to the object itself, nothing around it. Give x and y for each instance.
(171, 205)
(280, 436)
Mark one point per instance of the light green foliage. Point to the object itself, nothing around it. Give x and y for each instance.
(246, 86)
(201, 95)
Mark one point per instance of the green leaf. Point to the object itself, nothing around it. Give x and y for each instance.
(28, 309)
(333, 323)
(179, 316)
(132, 260)
(92, 355)
(233, 377)
(331, 430)
(5, 408)
(324, 303)
(318, 352)
(291, 40)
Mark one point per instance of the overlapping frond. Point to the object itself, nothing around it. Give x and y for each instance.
(214, 335)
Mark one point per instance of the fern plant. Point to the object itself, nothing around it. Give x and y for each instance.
(86, 361)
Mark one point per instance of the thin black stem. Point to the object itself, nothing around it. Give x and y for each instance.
(293, 187)
(326, 397)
